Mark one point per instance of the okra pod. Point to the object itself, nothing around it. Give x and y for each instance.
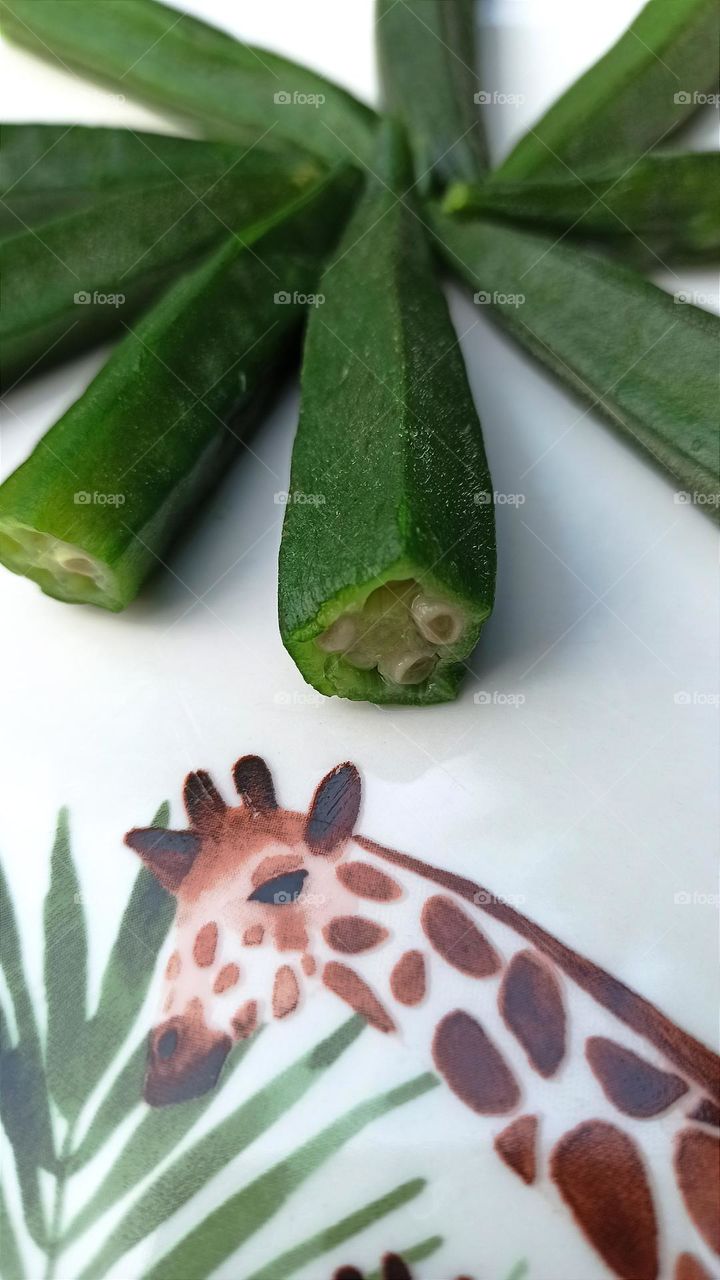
(182, 65)
(77, 279)
(387, 558)
(92, 510)
(648, 83)
(645, 359)
(660, 207)
(49, 169)
(426, 57)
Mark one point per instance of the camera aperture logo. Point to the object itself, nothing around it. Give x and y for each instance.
(83, 298)
(283, 98)
(285, 299)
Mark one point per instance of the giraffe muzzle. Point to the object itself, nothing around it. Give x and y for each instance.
(185, 1059)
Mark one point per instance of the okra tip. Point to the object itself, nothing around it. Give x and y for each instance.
(62, 570)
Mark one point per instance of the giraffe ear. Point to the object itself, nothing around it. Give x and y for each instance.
(254, 783)
(334, 809)
(168, 854)
(202, 799)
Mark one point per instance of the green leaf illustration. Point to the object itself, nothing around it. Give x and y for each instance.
(23, 1083)
(156, 1136)
(229, 1226)
(415, 1253)
(124, 1095)
(315, 1246)
(65, 971)
(519, 1271)
(11, 1264)
(194, 1168)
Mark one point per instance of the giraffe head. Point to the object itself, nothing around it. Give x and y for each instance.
(255, 885)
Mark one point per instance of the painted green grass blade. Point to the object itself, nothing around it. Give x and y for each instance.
(646, 85)
(65, 969)
(159, 55)
(426, 59)
(23, 1087)
(156, 1136)
(633, 352)
(415, 1253)
(11, 1263)
(123, 1096)
(225, 1230)
(193, 1169)
(12, 965)
(519, 1271)
(129, 970)
(665, 207)
(286, 1264)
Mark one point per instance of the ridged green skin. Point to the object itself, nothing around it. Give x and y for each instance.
(160, 420)
(389, 449)
(154, 53)
(130, 243)
(426, 57)
(646, 361)
(660, 207)
(625, 102)
(48, 169)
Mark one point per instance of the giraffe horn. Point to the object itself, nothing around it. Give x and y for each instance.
(202, 799)
(334, 809)
(254, 783)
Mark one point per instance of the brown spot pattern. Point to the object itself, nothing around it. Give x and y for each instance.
(687, 1267)
(407, 980)
(290, 931)
(352, 934)
(205, 945)
(174, 965)
(347, 1273)
(367, 882)
(601, 1177)
(227, 978)
(697, 1169)
(472, 1066)
(682, 1049)
(350, 987)
(394, 1268)
(629, 1082)
(308, 965)
(455, 937)
(244, 1021)
(516, 1146)
(532, 1007)
(286, 992)
(706, 1112)
(253, 936)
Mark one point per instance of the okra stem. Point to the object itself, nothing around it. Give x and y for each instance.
(173, 61)
(93, 509)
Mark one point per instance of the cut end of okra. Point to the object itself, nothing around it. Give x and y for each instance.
(63, 570)
(396, 641)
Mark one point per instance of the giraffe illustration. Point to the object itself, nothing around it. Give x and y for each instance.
(584, 1088)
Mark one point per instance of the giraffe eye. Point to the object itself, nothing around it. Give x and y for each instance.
(280, 891)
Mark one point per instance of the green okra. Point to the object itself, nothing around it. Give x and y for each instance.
(173, 61)
(387, 558)
(644, 358)
(92, 510)
(426, 56)
(77, 279)
(48, 169)
(661, 206)
(657, 74)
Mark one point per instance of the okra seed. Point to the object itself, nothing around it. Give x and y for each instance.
(407, 668)
(436, 620)
(339, 635)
